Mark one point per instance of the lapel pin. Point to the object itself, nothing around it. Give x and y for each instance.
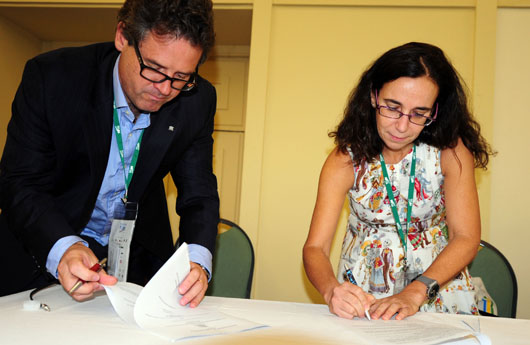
(171, 128)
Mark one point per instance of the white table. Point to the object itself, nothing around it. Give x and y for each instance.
(95, 322)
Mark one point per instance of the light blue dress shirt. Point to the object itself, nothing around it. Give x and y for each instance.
(113, 187)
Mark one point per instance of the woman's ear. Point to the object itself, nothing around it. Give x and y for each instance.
(372, 99)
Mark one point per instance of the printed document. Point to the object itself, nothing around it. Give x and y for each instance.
(156, 307)
(418, 329)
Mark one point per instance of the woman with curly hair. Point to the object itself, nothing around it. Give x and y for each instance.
(405, 156)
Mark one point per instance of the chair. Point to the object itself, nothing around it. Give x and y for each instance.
(233, 263)
(498, 277)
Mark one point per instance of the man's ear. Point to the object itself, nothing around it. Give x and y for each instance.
(119, 39)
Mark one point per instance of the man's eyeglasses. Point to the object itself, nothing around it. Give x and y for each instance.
(155, 76)
(414, 117)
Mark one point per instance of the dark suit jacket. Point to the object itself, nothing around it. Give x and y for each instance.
(58, 145)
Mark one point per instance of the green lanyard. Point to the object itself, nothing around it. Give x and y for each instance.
(128, 173)
(402, 235)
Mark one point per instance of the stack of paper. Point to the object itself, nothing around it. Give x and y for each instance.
(156, 307)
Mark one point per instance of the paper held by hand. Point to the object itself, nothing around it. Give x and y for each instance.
(155, 308)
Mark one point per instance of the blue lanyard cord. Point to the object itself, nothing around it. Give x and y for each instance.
(402, 234)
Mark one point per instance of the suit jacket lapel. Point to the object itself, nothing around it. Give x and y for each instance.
(97, 129)
(155, 143)
(97, 123)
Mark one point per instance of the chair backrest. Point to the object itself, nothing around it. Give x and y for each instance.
(498, 277)
(233, 263)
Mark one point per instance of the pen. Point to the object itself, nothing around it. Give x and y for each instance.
(96, 268)
(352, 280)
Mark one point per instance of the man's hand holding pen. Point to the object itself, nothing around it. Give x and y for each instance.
(75, 265)
(95, 268)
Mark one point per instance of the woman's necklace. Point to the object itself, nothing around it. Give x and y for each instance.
(402, 235)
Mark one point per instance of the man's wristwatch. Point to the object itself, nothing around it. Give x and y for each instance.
(432, 286)
(205, 271)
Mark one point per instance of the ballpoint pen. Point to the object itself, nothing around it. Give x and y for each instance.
(96, 268)
(352, 280)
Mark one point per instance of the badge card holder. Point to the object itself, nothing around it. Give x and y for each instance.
(121, 233)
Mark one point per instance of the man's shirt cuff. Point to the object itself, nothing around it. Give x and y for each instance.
(57, 252)
(201, 256)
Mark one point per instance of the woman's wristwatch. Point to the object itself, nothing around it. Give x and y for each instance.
(432, 286)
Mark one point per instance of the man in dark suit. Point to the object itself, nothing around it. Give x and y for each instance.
(63, 173)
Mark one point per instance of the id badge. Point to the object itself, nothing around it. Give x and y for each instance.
(121, 233)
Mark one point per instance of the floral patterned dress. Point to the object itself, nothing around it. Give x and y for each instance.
(372, 247)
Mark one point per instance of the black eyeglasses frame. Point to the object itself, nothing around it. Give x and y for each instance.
(189, 84)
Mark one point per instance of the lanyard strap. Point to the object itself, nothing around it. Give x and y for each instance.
(128, 173)
(402, 235)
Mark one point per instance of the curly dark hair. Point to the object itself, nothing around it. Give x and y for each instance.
(189, 19)
(358, 128)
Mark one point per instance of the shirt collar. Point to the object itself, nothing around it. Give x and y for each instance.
(120, 101)
(119, 96)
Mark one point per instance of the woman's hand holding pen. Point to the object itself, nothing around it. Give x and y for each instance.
(348, 301)
(75, 265)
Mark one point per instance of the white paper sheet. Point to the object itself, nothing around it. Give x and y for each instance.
(123, 297)
(156, 307)
(413, 330)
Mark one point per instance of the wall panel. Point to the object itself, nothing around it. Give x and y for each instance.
(510, 169)
(16, 46)
(317, 54)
